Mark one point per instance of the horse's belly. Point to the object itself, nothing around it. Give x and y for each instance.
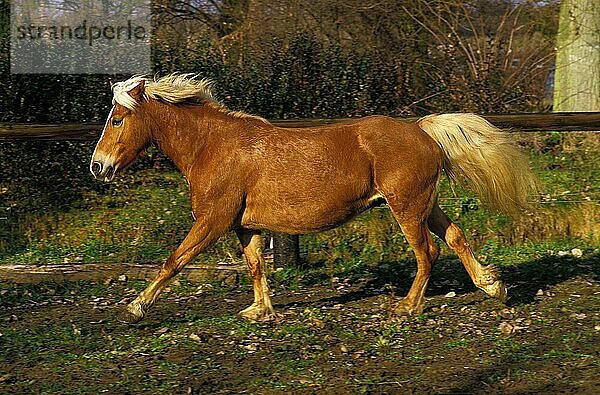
(308, 216)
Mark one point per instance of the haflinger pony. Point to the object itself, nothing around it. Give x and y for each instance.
(247, 175)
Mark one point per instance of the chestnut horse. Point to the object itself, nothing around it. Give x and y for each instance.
(247, 175)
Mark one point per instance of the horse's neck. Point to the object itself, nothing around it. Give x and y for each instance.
(181, 133)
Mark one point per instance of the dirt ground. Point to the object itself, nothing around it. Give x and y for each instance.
(337, 339)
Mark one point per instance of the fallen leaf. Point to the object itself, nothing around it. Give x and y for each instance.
(252, 347)
(576, 252)
(195, 338)
(506, 328)
(76, 330)
(162, 330)
(579, 316)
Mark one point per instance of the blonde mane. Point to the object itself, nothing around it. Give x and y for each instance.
(173, 88)
(176, 88)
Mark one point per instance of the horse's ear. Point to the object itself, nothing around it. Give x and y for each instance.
(137, 92)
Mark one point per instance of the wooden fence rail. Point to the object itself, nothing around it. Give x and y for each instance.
(33, 274)
(538, 122)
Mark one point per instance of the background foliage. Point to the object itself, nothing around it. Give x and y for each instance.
(293, 59)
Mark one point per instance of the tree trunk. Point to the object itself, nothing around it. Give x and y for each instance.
(577, 74)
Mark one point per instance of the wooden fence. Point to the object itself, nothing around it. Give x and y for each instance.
(287, 247)
(539, 122)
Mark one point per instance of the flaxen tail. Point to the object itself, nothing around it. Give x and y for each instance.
(480, 156)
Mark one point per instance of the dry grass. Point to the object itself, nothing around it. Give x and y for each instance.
(578, 221)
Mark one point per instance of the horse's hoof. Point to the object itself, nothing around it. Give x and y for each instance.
(126, 317)
(492, 285)
(403, 309)
(134, 313)
(496, 290)
(258, 314)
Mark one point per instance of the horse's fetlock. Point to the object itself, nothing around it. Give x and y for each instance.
(489, 281)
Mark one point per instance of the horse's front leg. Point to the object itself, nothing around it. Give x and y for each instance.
(253, 244)
(199, 237)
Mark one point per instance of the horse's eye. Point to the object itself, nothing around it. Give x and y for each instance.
(117, 122)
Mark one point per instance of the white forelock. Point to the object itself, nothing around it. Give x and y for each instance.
(121, 91)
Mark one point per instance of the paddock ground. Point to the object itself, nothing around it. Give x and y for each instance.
(336, 338)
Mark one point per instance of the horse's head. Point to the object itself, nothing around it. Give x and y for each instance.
(126, 132)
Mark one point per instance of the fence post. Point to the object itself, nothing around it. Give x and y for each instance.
(286, 250)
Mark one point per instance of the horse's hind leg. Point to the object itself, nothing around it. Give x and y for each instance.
(484, 277)
(253, 244)
(425, 250)
(413, 222)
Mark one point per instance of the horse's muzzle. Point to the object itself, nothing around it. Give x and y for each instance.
(102, 172)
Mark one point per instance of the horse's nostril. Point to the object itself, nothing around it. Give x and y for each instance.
(96, 168)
